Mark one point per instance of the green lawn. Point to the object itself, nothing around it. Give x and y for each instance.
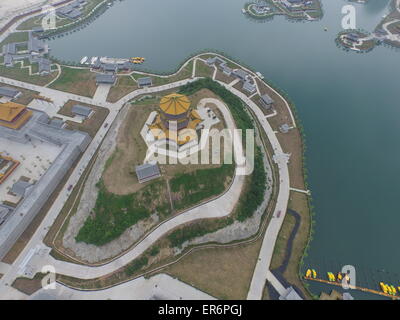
(185, 73)
(113, 214)
(23, 75)
(77, 81)
(15, 37)
(199, 185)
(203, 70)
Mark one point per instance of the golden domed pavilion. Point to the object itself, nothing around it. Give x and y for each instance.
(175, 108)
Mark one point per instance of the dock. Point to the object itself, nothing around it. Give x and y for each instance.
(338, 284)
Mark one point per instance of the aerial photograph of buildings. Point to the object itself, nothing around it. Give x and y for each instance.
(183, 150)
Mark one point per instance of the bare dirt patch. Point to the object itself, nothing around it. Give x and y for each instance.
(26, 95)
(291, 143)
(91, 125)
(119, 176)
(29, 286)
(220, 76)
(124, 86)
(224, 273)
(283, 115)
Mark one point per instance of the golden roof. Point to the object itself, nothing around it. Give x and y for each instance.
(13, 115)
(183, 136)
(195, 115)
(9, 110)
(174, 104)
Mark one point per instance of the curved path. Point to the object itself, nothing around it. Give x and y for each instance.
(264, 260)
(37, 238)
(217, 208)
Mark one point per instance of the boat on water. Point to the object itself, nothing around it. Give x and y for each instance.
(84, 59)
(137, 60)
(93, 60)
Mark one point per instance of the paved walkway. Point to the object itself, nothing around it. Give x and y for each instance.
(307, 192)
(264, 260)
(4, 267)
(160, 287)
(275, 283)
(102, 92)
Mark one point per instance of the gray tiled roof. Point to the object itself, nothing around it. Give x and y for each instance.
(9, 92)
(65, 10)
(248, 86)
(74, 14)
(147, 172)
(10, 48)
(240, 74)
(35, 44)
(105, 78)
(8, 59)
(37, 29)
(44, 65)
(19, 188)
(267, 99)
(147, 81)
(226, 69)
(81, 110)
(56, 123)
(110, 67)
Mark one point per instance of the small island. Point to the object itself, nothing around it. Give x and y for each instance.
(387, 32)
(356, 40)
(292, 9)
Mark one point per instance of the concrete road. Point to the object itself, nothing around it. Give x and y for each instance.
(271, 234)
(160, 286)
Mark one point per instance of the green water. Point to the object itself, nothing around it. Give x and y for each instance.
(348, 104)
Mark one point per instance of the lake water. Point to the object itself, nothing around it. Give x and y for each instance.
(348, 104)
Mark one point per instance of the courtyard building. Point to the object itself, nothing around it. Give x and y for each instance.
(103, 78)
(266, 101)
(9, 92)
(144, 82)
(13, 115)
(82, 111)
